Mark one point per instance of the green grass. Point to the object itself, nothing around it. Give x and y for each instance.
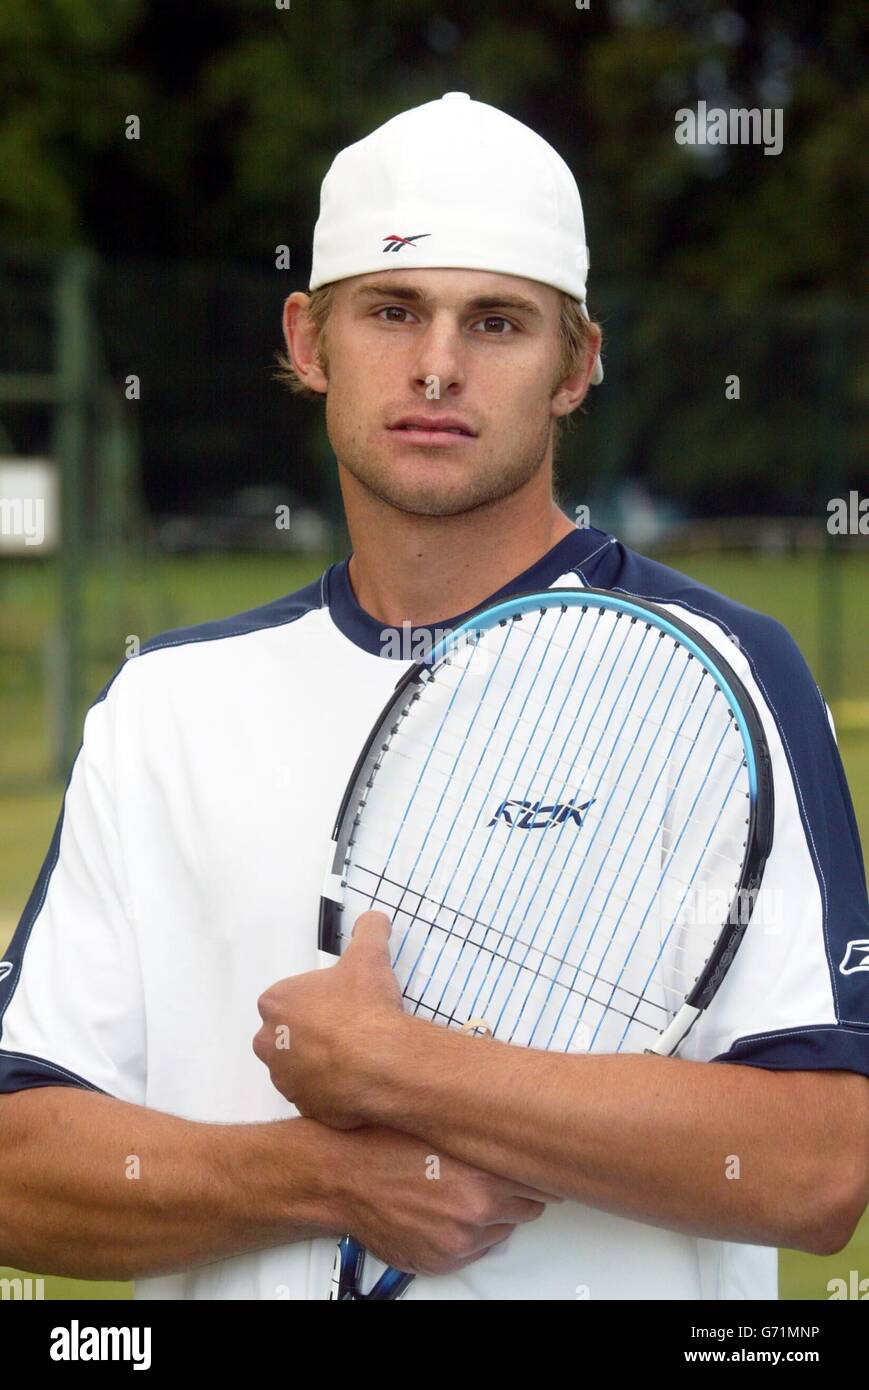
(807, 1276)
(178, 591)
(53, 1288)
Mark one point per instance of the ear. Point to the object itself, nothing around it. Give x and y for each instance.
(572, 391)
(301, 338)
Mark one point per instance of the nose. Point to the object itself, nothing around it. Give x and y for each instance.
(440, 355)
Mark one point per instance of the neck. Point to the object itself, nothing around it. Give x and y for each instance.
(427, 569)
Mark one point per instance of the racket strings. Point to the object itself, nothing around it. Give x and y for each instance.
(438, 927)
(621, 897)
(665, 938)
(511, 685)
(436, 924)
(483, 998)
(538, 670)
(488, 986)
(501, 655)
(458, 798)
(610, 921)
(504, 659)
(458, 801)
(718, 855)
(615, 984)
(550, 963)
(414, 742)
(434, 1014)
(425, 1005)
(690, 737)
(539, 946)
(651, 842)
(397, 907)
(400, 731)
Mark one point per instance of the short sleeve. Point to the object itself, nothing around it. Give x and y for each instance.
(797, 994)
(71, 1011)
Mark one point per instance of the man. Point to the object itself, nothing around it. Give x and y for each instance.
(141, 1135)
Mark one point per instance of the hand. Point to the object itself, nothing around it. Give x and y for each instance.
(322, 1031)
(421, 1212)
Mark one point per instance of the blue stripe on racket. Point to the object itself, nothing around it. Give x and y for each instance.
(565, 810)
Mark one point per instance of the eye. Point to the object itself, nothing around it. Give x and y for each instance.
(496, 318)
(393, 309)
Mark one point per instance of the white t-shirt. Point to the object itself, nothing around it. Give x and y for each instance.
(185, 876)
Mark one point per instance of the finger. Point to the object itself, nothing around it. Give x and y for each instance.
(509, 1208)
(373, 925)
(371, 929)
(534, 1194)
(519, 1210)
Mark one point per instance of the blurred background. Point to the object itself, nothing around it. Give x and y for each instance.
(159, 181)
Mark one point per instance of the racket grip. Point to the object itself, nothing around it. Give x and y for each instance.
(392, 1284)
(346, 1270)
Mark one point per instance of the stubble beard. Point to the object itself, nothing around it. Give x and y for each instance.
(488, 482)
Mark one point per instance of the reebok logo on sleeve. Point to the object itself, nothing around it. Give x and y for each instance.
(856, 958)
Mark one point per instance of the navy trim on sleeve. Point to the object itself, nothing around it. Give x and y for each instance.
(827, 1047)
(10, 966)
(20, 1072)
(824, 801)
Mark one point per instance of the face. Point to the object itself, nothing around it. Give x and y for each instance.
(473, 355)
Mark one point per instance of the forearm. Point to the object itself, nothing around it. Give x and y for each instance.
(95, 1188)
(712, 1150)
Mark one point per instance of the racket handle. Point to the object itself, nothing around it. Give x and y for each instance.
(346, 1271)
(391, 1284)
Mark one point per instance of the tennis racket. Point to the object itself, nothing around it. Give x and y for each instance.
(565, 811)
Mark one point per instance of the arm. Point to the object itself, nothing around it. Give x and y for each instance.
(209, 1191)
(70, 1208)
(648, 1138)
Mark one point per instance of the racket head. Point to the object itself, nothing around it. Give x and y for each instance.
(590, 712)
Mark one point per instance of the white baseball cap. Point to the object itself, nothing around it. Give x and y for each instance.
(453, 183)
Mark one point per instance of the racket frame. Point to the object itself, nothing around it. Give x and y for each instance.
(759, 829)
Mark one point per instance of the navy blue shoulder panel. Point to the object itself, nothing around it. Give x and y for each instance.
(19, 1072)
(275, 614)
(822, 794)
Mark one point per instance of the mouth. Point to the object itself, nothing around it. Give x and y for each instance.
(441, 432)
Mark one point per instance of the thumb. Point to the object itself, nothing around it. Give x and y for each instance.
(371, 931)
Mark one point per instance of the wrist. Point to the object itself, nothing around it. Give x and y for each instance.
(318, 1196)
(289, 1186)
(391, 1070)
